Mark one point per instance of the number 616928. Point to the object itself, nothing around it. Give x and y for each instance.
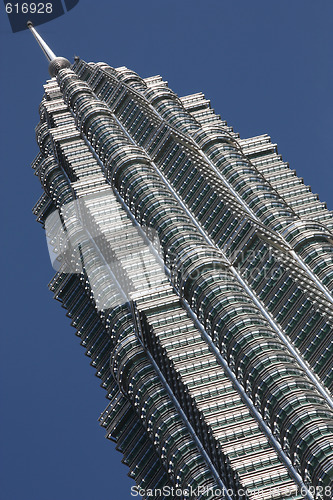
(29, 8)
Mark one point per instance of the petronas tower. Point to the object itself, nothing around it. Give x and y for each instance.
(197, 270)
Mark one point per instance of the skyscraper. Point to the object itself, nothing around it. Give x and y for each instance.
(197, 269)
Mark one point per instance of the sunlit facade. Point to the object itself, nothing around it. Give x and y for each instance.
(205, 300)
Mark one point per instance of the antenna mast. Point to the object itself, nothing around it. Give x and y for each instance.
(55, 63)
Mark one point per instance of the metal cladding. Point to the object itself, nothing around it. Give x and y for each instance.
(203, 286)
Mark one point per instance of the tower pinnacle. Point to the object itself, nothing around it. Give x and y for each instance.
(55, 63)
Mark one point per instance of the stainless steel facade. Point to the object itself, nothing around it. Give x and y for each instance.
(215, 348)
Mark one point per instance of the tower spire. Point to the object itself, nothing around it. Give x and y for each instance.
(49, 54)
(55, 63)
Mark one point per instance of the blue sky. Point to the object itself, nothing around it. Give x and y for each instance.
(266, 66)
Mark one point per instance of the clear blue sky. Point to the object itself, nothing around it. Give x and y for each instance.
(266, 65)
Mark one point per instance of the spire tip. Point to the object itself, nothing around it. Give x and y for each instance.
(55, 63)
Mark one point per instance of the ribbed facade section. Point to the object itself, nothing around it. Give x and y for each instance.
(200, 284)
